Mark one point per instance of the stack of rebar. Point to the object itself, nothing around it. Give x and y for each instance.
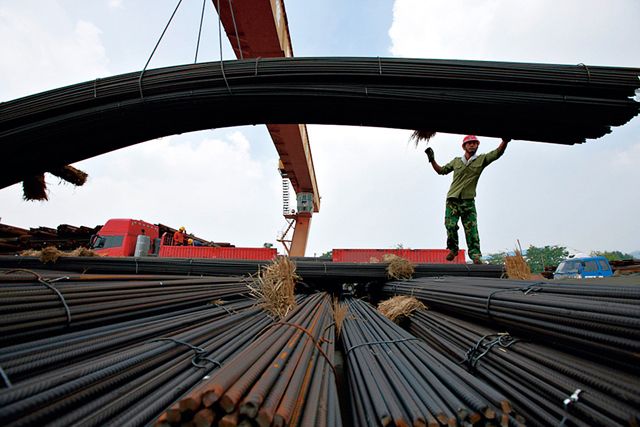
(549, 387)
(542, 102)
(285, 377)
(124, 373)
(33, 304)
(309, 270)
(598, 320)
(395, 379)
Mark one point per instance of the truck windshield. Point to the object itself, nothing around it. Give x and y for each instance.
(568, 267)
(105, 242)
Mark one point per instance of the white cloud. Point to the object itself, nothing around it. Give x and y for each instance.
(570, 31)
(116, 4)
(212, 186)
(44, 48)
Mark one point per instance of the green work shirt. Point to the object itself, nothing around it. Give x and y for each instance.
(465, 177)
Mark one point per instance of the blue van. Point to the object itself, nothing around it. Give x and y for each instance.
(583, 268)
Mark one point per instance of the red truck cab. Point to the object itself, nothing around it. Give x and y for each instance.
(118, 237)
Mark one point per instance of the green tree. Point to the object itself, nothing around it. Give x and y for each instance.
(496, 259)
(612, 255)
(327, 255)
(538, 258)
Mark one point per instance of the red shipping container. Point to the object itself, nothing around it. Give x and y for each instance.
(258, 254)
(418, 256)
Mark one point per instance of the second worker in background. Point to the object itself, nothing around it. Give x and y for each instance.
(461, 203)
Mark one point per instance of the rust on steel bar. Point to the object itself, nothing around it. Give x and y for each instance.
(270, 381)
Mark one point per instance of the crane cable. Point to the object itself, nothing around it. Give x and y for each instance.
(156, 47)
(195, 60)
(220, 44)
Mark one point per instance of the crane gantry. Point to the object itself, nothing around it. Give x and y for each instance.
(259, 29)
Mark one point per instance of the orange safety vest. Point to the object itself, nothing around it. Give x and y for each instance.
(178, 238)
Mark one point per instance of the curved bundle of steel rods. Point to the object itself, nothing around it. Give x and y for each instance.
(33, 305)
(121, 374)
(547, 386)
(285, 377)
(595, 319)
(540, 102)
(397, 380)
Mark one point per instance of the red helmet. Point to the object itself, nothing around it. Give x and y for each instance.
(470, 138)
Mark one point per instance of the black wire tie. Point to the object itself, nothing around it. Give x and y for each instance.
(484, 345)
(5, 378)
(379, 343)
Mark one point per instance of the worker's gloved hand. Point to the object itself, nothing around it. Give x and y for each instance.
(430, 155)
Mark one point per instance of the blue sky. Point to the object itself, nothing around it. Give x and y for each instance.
(377, 189)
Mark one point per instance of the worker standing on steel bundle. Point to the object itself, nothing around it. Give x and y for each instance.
(461, 196)
(179, 237)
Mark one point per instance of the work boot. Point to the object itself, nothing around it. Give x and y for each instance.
(452, 255)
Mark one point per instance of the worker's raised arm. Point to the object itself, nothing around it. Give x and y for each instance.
(503, 145)
(497, 153)
(432, 159)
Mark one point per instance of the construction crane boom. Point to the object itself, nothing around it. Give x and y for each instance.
(259, 29)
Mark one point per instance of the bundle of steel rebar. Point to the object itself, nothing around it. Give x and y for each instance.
(326, 272)
(541, 102)
(121, 374)
(285, 377)
(395, 379)
(34, 305)
(599, 320)
(549, 387)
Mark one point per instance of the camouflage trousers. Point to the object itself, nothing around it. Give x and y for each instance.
(464, 209)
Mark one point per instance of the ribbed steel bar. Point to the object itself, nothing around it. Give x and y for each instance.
(542, 102)
(397, 380)
(536, 377)
(570, 316)
(55, 304)
(332, 273)
(272, 380)
(142, 368)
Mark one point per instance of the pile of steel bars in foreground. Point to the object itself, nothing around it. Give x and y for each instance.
(123, 373)
(310, 271)
(597, 320)
(545, 385)
(32, 304)
(541, 102)
(395, 379)
(284, 377)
